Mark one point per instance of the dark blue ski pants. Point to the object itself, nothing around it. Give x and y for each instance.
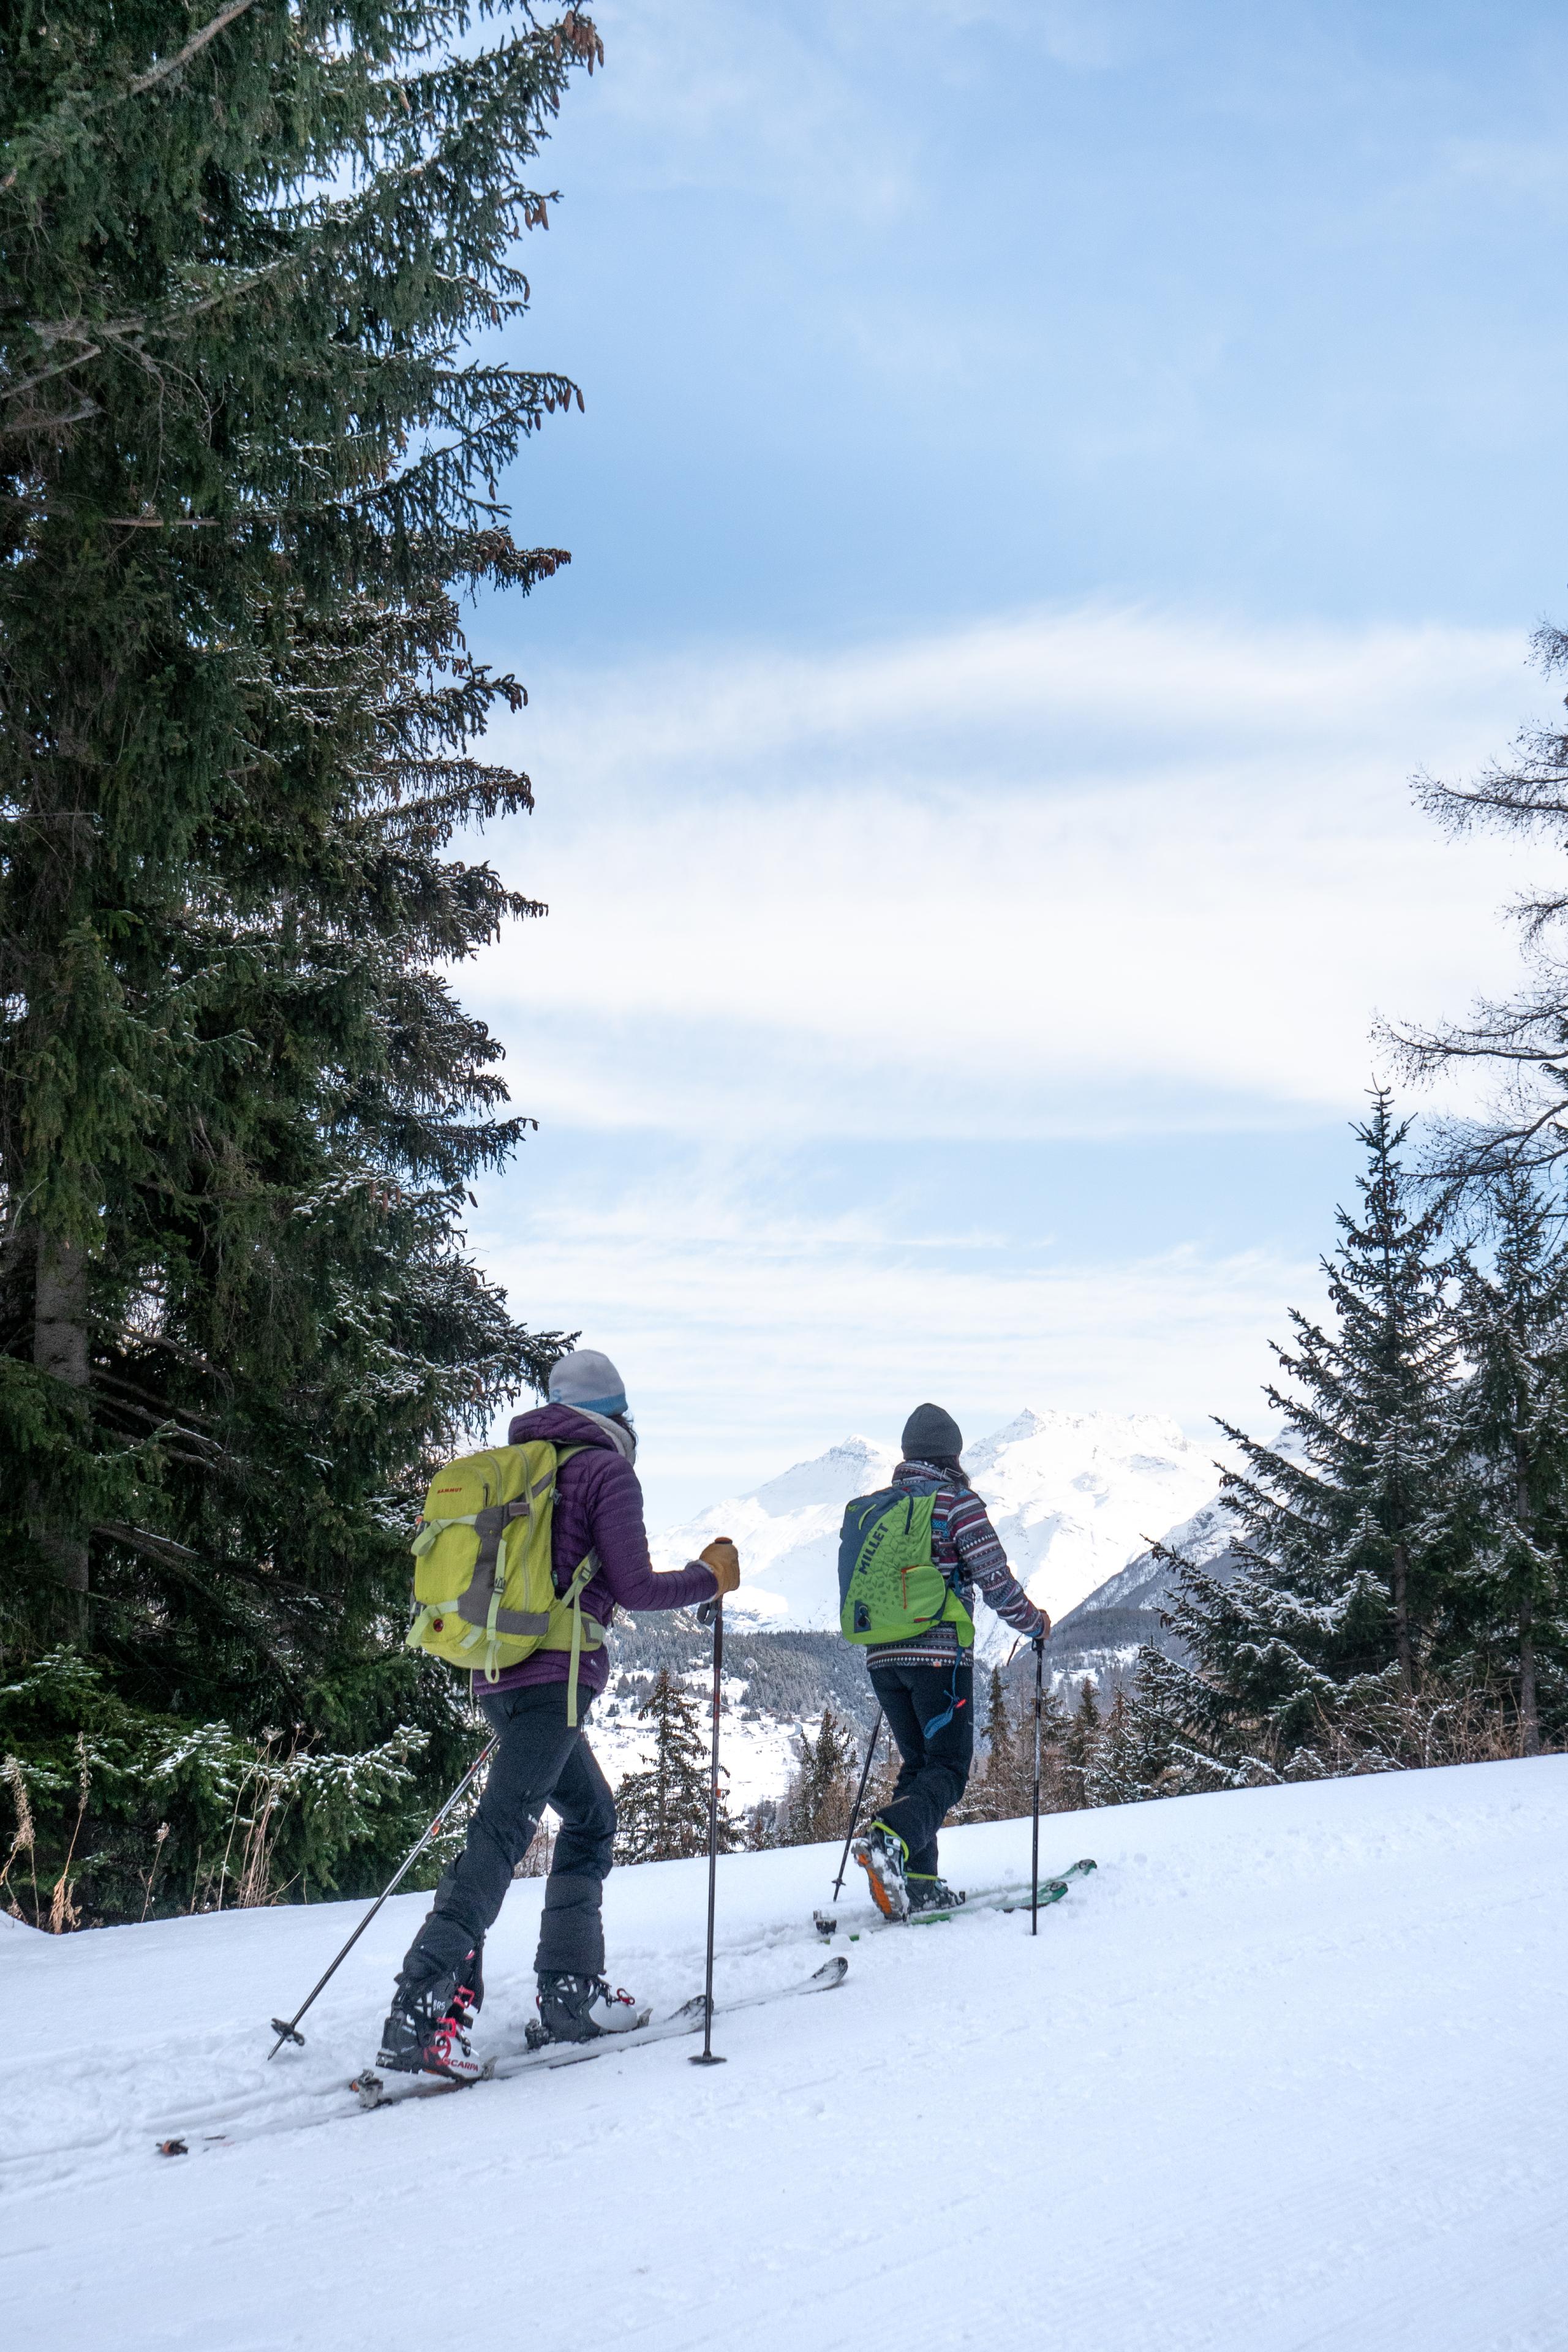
(931, 1714)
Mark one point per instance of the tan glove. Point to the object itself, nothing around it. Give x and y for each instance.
(724, 1561)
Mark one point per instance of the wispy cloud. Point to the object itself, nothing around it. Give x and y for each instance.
(752, 1336)
(1121, 873)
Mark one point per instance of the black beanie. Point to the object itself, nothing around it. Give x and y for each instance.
(931, 1434)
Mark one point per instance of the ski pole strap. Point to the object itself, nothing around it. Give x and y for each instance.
(940, 1722)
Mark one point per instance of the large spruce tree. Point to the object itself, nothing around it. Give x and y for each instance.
(247, 465)
(662, 1813)
(1509, 1605)
(1351, 1525)
(992, 1793)
(821, 1791)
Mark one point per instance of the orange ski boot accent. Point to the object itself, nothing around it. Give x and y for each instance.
(887, 1888)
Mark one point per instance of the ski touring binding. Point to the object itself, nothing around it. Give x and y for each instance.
(370, 2090)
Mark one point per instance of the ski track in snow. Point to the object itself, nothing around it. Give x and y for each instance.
(1286, 2073)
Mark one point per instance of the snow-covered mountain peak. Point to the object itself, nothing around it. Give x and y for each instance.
(787, 1531)
(1040, 1436)
(1073, 1495)
(857, 1466)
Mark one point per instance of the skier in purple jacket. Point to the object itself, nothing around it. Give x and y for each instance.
(543, 1760)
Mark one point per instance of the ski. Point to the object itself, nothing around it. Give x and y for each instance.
(375, 2090)
(1006, 1898)
(994, 1898)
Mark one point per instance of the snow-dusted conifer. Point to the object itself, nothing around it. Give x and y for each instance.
(821, 1790)
(993, 1792)
(1080, 1747)
(246, 470)
(1350, 1529)
(1114, 1776)
(662, 1813)
(1509, 1603)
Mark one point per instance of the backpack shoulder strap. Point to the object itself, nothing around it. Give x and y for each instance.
(582, 1577)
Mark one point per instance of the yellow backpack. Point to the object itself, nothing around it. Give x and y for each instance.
(483, 1578)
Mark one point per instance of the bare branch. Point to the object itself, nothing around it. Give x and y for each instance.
(142, 1539)
(183, 57)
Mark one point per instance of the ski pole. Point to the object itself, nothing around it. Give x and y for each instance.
(859, 1800)
(1034, 1849)
(290, 2031)
(712, 1612)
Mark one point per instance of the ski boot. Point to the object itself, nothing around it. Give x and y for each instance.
(881, 1854)
(931, 1893)
(580, 2008)
(427, 2030)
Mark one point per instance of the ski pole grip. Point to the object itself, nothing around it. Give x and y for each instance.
(707, 1609)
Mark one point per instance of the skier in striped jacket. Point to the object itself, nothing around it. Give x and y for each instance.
(926, 1683)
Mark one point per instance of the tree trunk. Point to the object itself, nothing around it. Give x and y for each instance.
(59, 1347)
(1399, 1590)
(1528, 1708)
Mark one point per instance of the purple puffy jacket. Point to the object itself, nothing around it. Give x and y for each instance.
(598, 1507)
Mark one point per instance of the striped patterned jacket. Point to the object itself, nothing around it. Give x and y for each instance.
(966, 1545)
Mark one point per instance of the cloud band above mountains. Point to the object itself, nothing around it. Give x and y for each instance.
(1111, 872)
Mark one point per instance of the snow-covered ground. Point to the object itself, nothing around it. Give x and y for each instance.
(1073, 1495)
(1288, 2074)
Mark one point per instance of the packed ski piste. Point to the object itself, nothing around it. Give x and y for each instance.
(1200, 2111)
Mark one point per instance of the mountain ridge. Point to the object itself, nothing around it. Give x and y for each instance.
(1073, 1496)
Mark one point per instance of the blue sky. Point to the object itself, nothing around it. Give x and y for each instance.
(1049, 474)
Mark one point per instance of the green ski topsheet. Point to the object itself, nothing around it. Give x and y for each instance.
(992, 1898)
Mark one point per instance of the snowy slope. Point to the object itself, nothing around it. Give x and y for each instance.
(1073, 1497)
(1288, 2076)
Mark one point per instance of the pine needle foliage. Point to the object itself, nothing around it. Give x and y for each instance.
(249, 463)
(820, 1796)
(1113, 1774)
(1080, 1747)
(993, 1792)
(662, 1814)
(1002, 1787)
(237, 1821)
(1350, 1531)
(1509, 1604)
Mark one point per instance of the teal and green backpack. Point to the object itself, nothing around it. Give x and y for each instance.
(889, 1587)
(483, 1578)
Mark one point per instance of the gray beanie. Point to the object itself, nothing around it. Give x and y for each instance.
(588, 1381)
(928, 1435)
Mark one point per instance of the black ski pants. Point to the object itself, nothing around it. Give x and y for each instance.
(931, 1714)
(540, 1760)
